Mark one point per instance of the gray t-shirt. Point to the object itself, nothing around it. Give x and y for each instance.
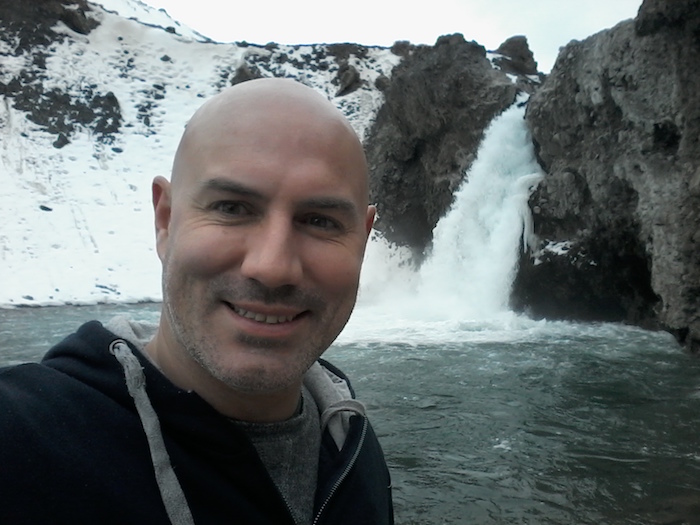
(290, 450)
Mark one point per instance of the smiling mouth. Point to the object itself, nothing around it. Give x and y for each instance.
(262, 318)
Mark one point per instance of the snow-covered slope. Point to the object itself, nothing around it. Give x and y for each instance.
(144, 13)
(76, 220)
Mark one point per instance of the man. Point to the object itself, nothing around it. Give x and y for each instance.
(224, 414)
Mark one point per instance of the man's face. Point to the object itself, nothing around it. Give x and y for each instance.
(262, 238)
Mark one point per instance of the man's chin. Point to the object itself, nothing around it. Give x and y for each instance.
(257, 374)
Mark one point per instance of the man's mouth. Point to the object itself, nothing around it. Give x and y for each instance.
(260, 317)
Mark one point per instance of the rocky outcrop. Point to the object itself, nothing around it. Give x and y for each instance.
(616, 127)
(437, 105)
(41, 15)
(29, 28)
(516, 57)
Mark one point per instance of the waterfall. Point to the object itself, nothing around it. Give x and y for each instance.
(475, 246)
(470, 271)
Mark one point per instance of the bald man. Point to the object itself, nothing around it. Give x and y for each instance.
(224, 412)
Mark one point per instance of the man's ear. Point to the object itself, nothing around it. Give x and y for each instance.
(369, 220)
(162, 206)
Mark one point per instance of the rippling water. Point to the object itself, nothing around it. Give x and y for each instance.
(574, 424)
(531, 423)
(491, 418)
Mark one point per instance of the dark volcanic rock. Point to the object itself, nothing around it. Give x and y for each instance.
(61, 113)
(29, 25)
(617, 129)
(29, 22)
(437, 105)
(517, 57)
(348, 78)
(245, 72)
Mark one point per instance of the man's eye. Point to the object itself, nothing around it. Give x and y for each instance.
(324, 223)
(233, 208)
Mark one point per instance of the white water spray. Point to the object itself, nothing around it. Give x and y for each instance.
(475, 246)
(467, 278)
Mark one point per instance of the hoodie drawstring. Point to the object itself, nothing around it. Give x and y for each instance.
(170, 490)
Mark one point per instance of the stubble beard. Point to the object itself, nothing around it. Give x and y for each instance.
(189, 316)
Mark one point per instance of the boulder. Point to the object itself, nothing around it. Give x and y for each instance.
(516, 57)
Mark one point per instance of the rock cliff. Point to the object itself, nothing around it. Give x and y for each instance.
(437, 105)
(616, 127)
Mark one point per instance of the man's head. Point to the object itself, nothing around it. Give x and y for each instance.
(261, 233)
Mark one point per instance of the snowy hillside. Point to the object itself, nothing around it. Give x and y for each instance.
(76, 218)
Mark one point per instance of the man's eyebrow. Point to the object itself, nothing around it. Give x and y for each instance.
(229, 186)
(319, 203)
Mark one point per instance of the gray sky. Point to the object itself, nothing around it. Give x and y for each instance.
(548, 24)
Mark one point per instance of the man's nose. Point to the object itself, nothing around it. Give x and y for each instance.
(272, 255)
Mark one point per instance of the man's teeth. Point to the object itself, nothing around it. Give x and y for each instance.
(262, 318)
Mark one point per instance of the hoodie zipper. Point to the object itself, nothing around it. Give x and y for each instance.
(345, 473)
(286, 503)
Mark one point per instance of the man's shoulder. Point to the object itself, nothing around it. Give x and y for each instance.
(60, 377)
(25, 380)
(36, 401)
(32, 388)
(74, 390)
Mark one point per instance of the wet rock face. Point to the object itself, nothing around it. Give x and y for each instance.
(616, 127)
(437, 105)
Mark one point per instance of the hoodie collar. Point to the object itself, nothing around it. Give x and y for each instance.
(328, 386)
